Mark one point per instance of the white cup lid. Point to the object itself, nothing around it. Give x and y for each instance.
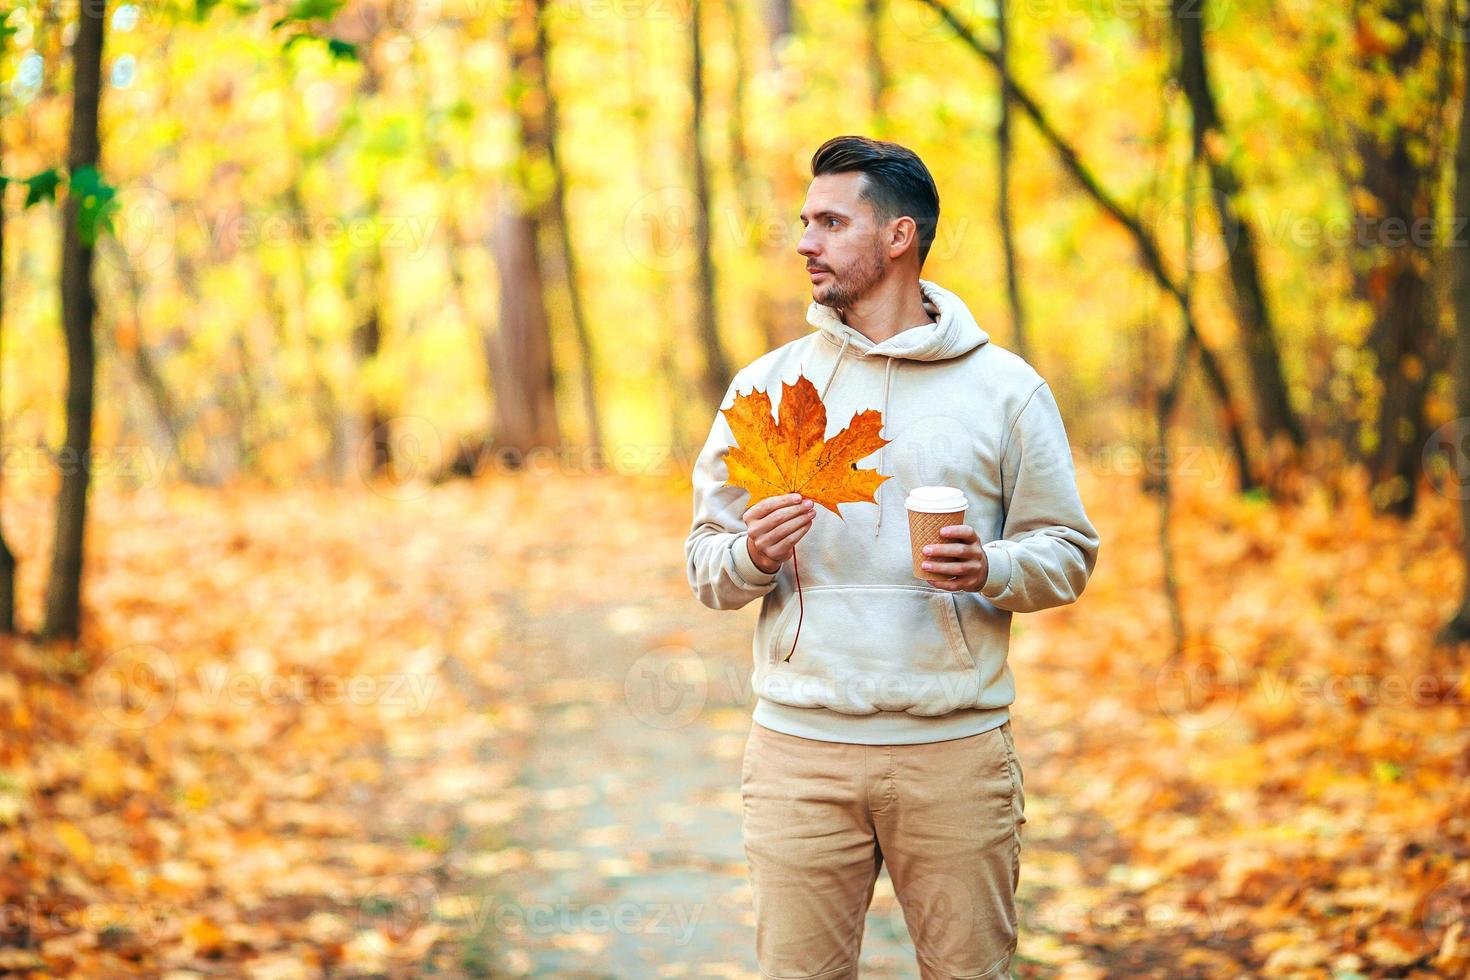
(936, 500)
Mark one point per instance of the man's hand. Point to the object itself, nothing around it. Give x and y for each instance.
(964, 560)
(775, 525)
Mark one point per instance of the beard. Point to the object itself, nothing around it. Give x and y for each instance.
(849, 285)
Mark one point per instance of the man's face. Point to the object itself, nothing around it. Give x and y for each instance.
(844, 241)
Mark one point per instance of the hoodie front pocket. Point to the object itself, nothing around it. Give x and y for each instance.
(866, 648)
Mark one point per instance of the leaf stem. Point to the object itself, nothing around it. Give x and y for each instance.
(800, 606)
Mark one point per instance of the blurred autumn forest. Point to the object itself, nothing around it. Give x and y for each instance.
(279, 275)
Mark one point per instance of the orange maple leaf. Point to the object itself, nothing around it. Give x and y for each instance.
(793, 455)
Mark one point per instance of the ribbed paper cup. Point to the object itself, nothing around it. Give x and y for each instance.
(924, 530)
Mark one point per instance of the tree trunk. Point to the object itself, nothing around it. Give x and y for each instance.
(329, 413)
(877, 71)
(739, 152)
(716, 376)
(778, 21)
(1252, 310)
(367, 444)
(521, 368)
(78, 307)
(372, 447)
(7, 558)
(1003, 191)
(1404, 336)
(155, 391)
(1457, 630)
(586, 351)
(668, 324)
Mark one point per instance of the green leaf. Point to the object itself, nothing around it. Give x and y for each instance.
(96, 203)
(462, 111)
(1387, 772)
(390, 138)
(309, 10)
(42, 187)
(1257, 495)
(341, 50)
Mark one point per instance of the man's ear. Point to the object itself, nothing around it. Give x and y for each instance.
(902, 233)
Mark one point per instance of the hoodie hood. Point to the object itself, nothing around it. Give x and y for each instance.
(953, 333)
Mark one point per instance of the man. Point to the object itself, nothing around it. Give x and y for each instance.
(886, 736)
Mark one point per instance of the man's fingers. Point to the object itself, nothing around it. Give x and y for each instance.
(956, 568)
(779, 537)
(781, 528)
(776, 516)
(771, 504)
(780, 546)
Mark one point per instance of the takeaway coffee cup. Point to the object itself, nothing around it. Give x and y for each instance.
(931, 508)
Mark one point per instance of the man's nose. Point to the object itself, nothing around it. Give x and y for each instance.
(806, 246)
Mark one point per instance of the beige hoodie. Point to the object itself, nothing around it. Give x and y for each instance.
(884, 657)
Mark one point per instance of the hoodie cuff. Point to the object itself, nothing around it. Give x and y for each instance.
(746, 570)
(999, 577)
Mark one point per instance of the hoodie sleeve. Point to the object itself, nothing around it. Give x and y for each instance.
(1048, 547)
(721, 572)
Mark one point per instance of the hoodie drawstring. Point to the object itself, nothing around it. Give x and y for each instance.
(887, 379)
(846, 339)
(887, 375)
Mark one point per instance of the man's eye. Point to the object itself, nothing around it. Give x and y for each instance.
(831, 222)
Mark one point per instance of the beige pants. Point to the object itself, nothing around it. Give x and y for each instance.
(820, 819)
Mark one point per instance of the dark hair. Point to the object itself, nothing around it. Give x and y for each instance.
(897, 182)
